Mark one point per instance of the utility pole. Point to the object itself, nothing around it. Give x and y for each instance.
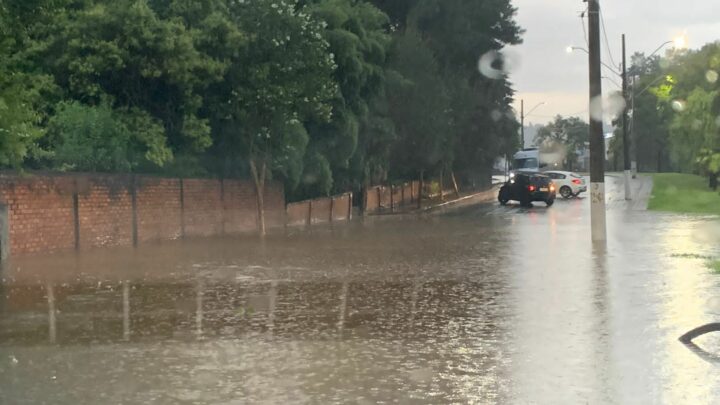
(626, 137)
(597, 139)
(522, 124)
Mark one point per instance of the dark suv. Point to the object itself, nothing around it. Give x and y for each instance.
(526, 188)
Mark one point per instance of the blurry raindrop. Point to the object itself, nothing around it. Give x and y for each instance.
(713, 304)
(511, 61)
(615, 104)
(678, 105)
(496, 115)
(489, 65)
(596, 108)
(696, 124)
(711, 76)
(13, 360)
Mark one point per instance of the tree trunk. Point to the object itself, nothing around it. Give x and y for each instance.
(259, 179)
(442, 194)
(455, 186)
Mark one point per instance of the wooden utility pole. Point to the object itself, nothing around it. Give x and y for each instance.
(626, 137)
(597, 139)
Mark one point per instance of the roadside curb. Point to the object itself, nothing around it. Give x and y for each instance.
(469, 200)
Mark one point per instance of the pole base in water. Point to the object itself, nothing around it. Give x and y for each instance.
(628, 189)
(597, 212)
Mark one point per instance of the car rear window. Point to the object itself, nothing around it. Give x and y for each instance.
(575, 175)
(540, 180)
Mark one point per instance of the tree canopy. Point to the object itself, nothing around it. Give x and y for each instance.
(325, 95)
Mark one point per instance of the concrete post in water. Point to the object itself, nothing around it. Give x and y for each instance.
(343, 307)
(126, 311)
(597, 139)
(199, 308)
(52, 321)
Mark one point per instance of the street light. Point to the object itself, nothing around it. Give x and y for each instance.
(570, 49)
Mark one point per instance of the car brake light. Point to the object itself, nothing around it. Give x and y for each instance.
(577, 181)
(531, 188)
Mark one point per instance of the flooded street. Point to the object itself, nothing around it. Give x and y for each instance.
(486, 304)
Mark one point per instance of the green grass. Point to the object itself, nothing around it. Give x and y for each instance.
(687, 193)
(690, 256)
(714, 266)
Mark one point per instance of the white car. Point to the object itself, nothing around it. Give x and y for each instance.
(568, 184)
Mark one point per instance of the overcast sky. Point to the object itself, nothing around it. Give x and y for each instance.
(547, 73)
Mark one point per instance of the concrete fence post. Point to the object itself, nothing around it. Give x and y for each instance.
(350, 205)
(378, 191)
(309, 217)
(133, 203)
(182, 208)
(4, 233)
(76, 214)
(332, 207)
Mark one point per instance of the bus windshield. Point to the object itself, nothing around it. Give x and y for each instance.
(526, 163)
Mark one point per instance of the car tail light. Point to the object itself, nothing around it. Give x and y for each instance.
(552, 187)
(531, 188)
(577, 181)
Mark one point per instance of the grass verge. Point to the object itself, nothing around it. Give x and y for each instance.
(687, 193)
(714, 266)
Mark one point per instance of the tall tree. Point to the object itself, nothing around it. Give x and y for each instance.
(566, 135)
(279, 80)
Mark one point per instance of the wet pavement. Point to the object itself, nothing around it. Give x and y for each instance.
(485, 304)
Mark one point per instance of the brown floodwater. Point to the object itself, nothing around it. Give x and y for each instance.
(485, 304)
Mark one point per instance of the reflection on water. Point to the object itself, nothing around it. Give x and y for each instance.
(489, 305)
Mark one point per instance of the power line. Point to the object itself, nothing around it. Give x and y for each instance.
(607, 43)
(582, 22)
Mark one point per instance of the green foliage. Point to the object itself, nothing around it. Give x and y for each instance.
(98, 138)
(675, 122)
(280, 78)
(20, 119)
(328, 95)
(569, 134)
(419, 106)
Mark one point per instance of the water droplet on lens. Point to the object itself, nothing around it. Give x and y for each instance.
(678, 105)
(711, 76)
(489, 64)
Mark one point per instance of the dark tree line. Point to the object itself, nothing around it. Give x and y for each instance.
(325, 95)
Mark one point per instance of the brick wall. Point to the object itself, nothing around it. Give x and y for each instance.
(240, 206)
(202, 205)
(60, 212)
(320, 210)
(105, 212)
(158, 209)
(297, 213)
(40, 213)
(379, 198)
(342, 207)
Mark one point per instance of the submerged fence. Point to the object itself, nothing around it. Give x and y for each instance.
(389, 198)
(320, 210)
